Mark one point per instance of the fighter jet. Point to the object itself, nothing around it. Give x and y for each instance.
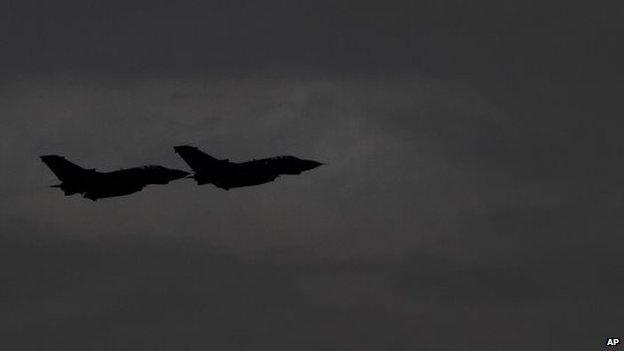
(95, 185)
(226, 175)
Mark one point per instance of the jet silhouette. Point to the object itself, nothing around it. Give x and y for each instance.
(226, 175)
(96, 185)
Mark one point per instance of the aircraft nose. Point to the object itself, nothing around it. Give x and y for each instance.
(177, 174)
(309, 164)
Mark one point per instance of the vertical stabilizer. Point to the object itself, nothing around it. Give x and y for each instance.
(196, 159)
(63, 169)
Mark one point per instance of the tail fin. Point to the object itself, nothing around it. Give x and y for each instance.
(63, 169)
(195, 158)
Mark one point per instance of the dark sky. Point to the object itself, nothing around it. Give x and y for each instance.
(472, 197)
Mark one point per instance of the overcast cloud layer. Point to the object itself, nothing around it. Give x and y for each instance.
(472, 196)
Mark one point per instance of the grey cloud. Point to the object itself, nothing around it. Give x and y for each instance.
(471, 197)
